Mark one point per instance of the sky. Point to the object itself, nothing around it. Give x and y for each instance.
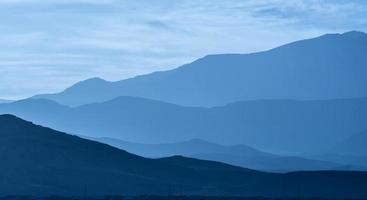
(46, 46)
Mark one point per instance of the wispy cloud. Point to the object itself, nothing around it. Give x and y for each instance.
(64, 41)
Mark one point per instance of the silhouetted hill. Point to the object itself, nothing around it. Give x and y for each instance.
(5, 101)
(190, 147)
(238, 155)
(271, 125)
(351, 151)
(327, 67)
(40, 161)
(356, 145)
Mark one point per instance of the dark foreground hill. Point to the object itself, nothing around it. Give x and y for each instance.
(271, 125)
(156, 197)
(40, 161)
(327, 67)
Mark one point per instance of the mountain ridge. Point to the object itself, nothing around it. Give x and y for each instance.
(237, 155)
(5, 101)
(272, 125)
(55, 163)
(335, 63)
(356, 145)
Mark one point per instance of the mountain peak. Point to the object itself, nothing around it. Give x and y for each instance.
(90, 81)
(355, 34)
(9, 117)
(12, 122)
(96, 79)
(316, 68)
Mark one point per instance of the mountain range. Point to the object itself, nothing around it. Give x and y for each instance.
(331, 66)
(355, 145)
(5, 101)
(238, 155)
(41, 161)
(276, 126)
(300, 106)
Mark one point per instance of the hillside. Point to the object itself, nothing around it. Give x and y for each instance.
(40, 161)
(356, 145)
(238, 155)
(331, 66)
(271, 125)
(5, 101)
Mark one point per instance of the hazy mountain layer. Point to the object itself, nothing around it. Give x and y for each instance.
(239, 155)
(41, 161)
(271, 125)
(5, 101)
(328, 67)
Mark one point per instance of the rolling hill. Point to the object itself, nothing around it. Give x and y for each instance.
(356, 145)
(284, 126)
(41, 161)
(331, 66)
(238, 155)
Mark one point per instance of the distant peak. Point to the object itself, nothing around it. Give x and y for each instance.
(88, 82)
(354, 34)
(94, 79)
(349, 34)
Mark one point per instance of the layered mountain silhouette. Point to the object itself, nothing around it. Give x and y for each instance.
(328, 67)
(5, 101)
(40, 161)
(238, 155)
(271, 125)
(356, 145)
(351, 151)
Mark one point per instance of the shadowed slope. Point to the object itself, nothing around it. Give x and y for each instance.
(41, 161)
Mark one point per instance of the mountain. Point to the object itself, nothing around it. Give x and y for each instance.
(40, 161)
(331, 66)
(238, 155)
(5, 101)
(356, 145)
(186, 148)
(277, 126)
(351, 151)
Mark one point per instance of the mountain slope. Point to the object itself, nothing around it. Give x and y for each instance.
(356, 145)
(5, 101)
(271, 125)
(44, 161)
(40, 161)
(238, 155)
(190, 147)
(328, 67)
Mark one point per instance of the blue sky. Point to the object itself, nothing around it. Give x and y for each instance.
(46, 46)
